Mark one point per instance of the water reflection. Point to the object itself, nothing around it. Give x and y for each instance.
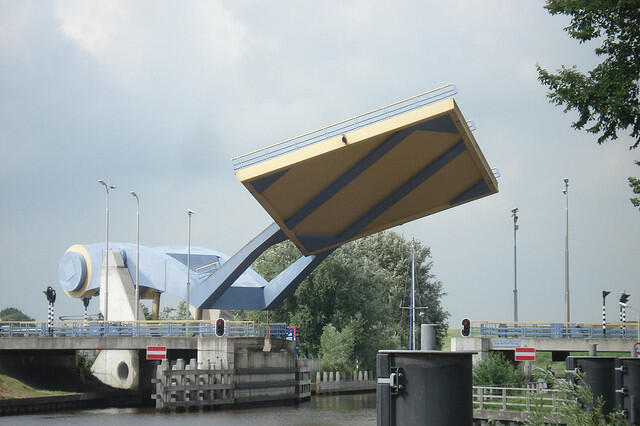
(357, 409)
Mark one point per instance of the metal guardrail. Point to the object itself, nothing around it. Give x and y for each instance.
(141, 328)
(554, 330)
(517, 399)
(344, 126)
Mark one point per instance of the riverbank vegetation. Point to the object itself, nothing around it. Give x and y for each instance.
(14, 388)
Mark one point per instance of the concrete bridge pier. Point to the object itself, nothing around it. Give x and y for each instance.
(480, 345)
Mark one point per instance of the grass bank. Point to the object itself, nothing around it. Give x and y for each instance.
(13, 388)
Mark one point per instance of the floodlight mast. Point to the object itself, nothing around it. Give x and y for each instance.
(106, 253)
(186, 314)
(565, 191)
(514, 213)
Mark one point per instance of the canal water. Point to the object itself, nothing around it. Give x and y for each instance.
(356, 409)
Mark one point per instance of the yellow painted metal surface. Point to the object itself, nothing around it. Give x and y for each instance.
(298, 177)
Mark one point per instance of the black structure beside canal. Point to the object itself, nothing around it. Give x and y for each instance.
(424, 388)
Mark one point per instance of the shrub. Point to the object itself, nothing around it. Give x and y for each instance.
(496, 370)
(336, 348)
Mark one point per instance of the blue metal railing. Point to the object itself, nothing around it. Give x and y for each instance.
(142, 328)
(554, 330)
(344, 126)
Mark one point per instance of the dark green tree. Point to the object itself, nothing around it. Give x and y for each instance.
(496, 370)
(13, 314)
(336, 348)
(360, 287)
(606, 98)
(634, 183)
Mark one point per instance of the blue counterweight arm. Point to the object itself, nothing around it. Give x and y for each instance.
(217, 292)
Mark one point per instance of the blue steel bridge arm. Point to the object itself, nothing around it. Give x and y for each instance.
(213, 288)
(278, 289)
(217, 291)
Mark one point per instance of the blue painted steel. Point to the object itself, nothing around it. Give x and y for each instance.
(261, 184)
(204, 296)
(344, 126)
(288, 280)
(552, 331)
(161, 268)
(274, 292)
(142, 328)
(317, 242)
(72, 271)
(219, 281)
(477, 189)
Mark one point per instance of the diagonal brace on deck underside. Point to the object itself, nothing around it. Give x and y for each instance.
(217, 291)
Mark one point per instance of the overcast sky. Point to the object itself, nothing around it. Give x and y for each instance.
(157, 97)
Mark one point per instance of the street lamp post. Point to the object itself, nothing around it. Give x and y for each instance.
(412, 325)
(106, 256)
(137, 253)
(186, 314)
(515, 266)
(565, 191)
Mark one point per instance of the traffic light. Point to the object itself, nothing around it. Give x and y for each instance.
(220, 327)
(466, 327)
(624, 297)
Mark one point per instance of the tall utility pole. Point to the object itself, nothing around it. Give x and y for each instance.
(106, 254)
(413, 299)
(137, 252)
(186, 314)
(565, 191)
(515, 266)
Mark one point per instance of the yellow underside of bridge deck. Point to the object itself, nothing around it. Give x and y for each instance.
(372, 178)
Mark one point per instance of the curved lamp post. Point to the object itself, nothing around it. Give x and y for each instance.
(106, 255)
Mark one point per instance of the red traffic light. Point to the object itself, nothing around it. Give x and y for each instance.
(466, 327)
(220, 327)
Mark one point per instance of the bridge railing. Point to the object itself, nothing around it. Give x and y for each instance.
(517, 399)
(344, 126)
(553, 330)
(141, 328)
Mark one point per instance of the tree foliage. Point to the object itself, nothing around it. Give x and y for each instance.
(496, 370)
(14, 314)
(336, 348)
(579, 407)
(634, 183)
(607, 96)
(173, 314)
(361, 287)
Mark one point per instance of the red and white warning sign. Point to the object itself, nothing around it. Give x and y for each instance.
(525, 354)
(156, 352)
